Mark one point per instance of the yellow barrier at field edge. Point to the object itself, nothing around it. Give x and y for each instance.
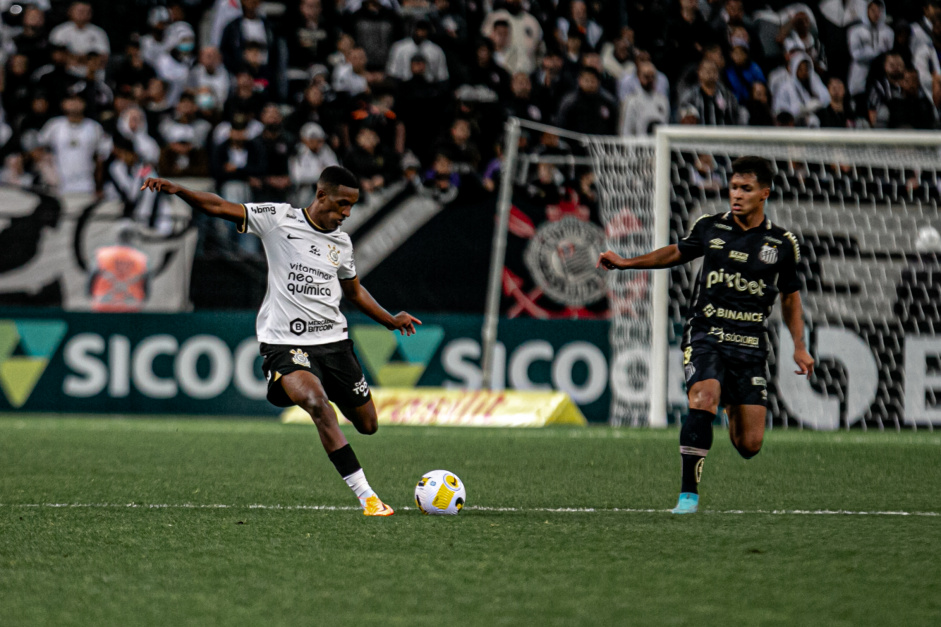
(465, 408)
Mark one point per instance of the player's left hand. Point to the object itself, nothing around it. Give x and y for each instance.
(404, 323)
(804, 362)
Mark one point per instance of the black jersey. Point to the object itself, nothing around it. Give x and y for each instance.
(742, 274)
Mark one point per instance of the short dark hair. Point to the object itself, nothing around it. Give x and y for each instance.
(337, 176)
(758, 166)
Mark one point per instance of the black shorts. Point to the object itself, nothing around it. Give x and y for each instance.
(335, 364)
(743, 379)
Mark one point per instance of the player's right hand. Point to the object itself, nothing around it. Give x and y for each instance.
(610, 260)
(404, 323)
(160, 185)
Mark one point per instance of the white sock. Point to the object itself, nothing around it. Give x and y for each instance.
(359, 485)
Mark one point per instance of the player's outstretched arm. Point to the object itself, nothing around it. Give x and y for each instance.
(665, 257)
(210, 204)
(793, 313)
(402, 322)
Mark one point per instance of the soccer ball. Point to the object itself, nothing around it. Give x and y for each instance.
(440, 492)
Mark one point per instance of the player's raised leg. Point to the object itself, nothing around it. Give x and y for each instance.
(695, 441)
(306, 391)
(747, 428)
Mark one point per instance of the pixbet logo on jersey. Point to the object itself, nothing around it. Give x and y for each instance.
(735, 281)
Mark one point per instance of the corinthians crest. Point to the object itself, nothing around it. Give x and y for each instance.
(768, 254)
(300, 357)
(561, 258)
(333, 254)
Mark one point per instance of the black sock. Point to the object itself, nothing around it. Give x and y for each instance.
(695, 442)
(344, 459)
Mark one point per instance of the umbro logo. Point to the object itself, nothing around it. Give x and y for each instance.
(289, 237)
(717, 243)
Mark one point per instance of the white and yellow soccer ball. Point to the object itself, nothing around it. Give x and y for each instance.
(440, 492)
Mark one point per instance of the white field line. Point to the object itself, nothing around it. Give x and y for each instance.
(551, 510)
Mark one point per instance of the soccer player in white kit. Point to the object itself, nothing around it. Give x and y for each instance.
(308, 357)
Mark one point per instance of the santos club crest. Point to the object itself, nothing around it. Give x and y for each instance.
(561, 258)
(768, 254)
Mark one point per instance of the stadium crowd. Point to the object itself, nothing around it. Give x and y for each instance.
(261, 97)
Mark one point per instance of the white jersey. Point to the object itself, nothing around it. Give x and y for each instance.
(305, 267)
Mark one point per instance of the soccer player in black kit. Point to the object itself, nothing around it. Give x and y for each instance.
(747, 263)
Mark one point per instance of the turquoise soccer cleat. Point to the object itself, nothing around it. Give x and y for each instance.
(688, 503)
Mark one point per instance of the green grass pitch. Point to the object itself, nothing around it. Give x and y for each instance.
(209, 522)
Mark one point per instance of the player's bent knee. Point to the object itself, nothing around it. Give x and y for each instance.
(318, 409)
(748, 448)
(368, 426)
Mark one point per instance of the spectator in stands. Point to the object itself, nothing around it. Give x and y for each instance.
(617, 56)
(797, 33)
(450, 32)
(279, 146)
(760, 112)
(630, 83)
(252, 26)
(441, 182)
(922, 30)
(550, 84)
(33, 41)
(77, 145)
(546, 187)
(132, 125)
(884, 90)
(79, 35)
(209, 72)
(174, 64)
(803, 92)
(235, 161)
(154, 43)
(578, 21)
(500, 41)
(422, 111)
(867, 40)
(731, 18)
(186, 113)
(400, 57)
(911, 109)
(688, 35)
(350, 78)
(313, 109)
(608, 82)
(375, 165)
(837, 16)
(156, 104)
(588, 109)
(742, 73)
(485, 71)
(245, 98)
(689, 76)
(839, 113)
(525, 35)
(715, 105)
(133, 73)
(782, 73)
(182, 155)
(926, 56)
(460, 148)
(54, 78)
(310, 158)
(521, 104)
(17, 86)
(310, 35)
(375, 27)
(124, 173)
(644, 110)
(379, 114)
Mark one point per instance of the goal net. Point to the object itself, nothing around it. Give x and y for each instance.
(864, 205)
